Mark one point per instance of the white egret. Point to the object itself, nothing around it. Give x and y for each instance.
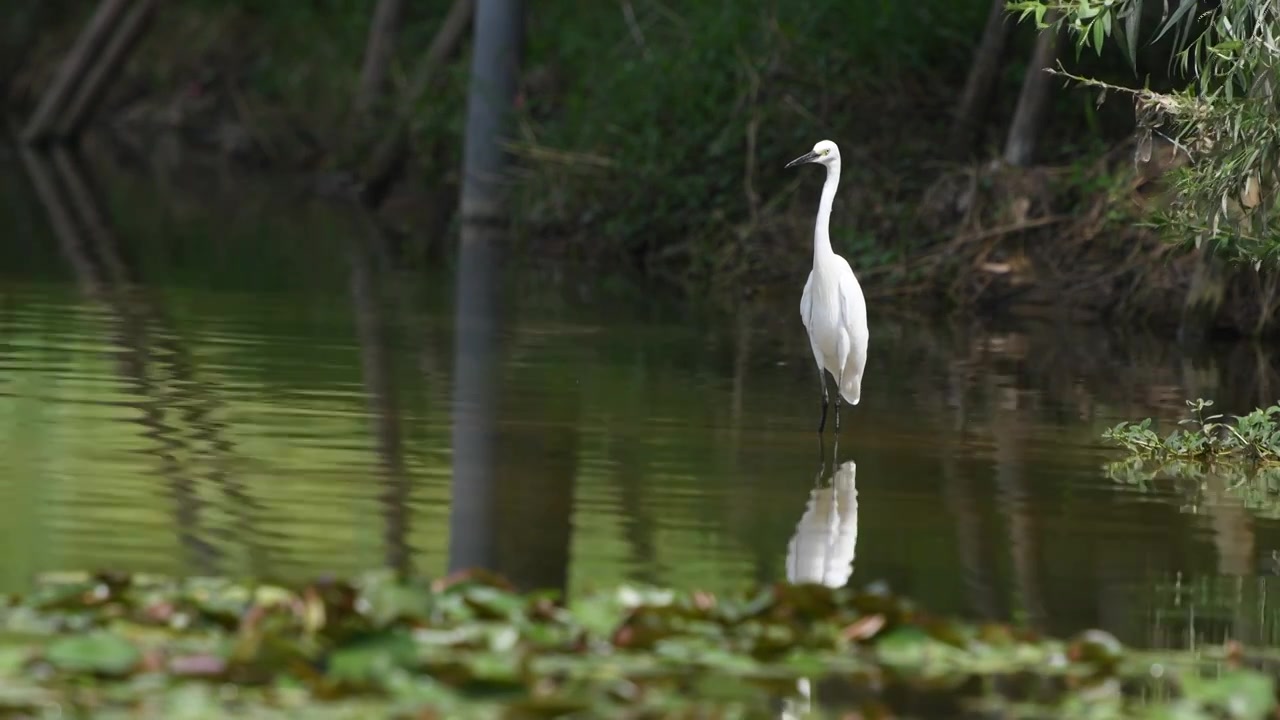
(832, 307)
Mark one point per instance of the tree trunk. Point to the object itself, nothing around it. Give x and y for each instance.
(379, 50)
(974, 102)
(1033, 101)
(78, 62)
(106, 66)
(389, 158)
(495, 72)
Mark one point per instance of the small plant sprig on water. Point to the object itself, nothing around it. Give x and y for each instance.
(1254, 437)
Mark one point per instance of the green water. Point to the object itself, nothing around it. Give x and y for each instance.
(223, 378)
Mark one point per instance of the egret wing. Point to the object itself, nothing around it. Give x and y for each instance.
(806, 300)
(853, 306)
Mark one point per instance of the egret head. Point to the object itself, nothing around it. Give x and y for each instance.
(824, 153)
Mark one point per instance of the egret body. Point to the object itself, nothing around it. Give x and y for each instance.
(832, 307)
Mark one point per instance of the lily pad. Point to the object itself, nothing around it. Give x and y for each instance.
(386, 646)
(99, 653)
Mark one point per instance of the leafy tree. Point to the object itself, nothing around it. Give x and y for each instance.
(1225, 117)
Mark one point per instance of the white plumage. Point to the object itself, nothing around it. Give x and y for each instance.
(822, 551)
(826, 538)
(832, 307)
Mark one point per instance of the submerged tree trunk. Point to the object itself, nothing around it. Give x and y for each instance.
(495, 74)
(1015, 502)
(971, 549)
(1033, 101)
(975, 100)
(379, 50)
(473, 525)
(373, 329)
(63, 185)
(537, 476)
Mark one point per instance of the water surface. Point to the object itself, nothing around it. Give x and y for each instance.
(233, 380)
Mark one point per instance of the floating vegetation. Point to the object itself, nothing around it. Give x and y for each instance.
(1241, 455)
(1254, 437)
(108, 645)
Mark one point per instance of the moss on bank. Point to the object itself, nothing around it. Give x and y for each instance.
(465, 646)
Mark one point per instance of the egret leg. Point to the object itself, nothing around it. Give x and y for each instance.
(842, 349)
(825, 401)
(822, 460)
(839, 397)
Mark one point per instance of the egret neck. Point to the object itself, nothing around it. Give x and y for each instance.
(821, 229)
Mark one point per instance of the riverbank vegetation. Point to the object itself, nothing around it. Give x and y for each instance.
(469, 645)
(1223, 118)
(650, 139)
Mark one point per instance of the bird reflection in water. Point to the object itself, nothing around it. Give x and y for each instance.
(823, 546)
(822, 550)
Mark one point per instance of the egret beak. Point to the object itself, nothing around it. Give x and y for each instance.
(807, 157)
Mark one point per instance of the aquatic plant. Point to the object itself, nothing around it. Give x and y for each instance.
(469, 645)
(1253, 437)
(1239, 456)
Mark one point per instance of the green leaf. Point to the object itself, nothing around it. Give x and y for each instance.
(1183, 9)
(99, 652)
(1184, 33)
(1236, 694)
(12, 659)
(905, 647)
(494, 667)
(390, 601)
(1131, 33)
(371, 658)
(1226, 48)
